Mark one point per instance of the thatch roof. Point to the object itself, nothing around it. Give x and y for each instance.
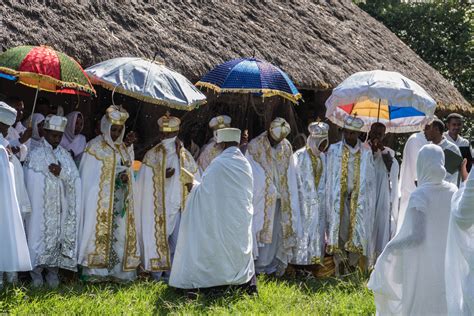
(319, 43)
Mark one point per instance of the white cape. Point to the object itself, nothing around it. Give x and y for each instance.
(13, 247)
(460, 252)
(215, 240)
(408, 278)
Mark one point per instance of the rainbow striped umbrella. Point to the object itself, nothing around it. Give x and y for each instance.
(381, 96)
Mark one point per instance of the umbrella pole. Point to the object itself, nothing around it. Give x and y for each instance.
(378, 112)
(34, 106)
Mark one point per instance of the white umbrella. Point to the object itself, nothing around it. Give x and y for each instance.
(148, 81)
(381, 96)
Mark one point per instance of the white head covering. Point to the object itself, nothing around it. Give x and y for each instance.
(430, 165)
(70, 131)
(221, 121)
(353, 123)
(55, 123)
(105, 126)
(36, 119)
(279, 129)
(228, 135)
(169, 124)
(318, 133)
(7, 114)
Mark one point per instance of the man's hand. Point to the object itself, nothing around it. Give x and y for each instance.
(26, 135)
(124, 177)
(15, 150)
(55, 169)
(464, 173)
(169, 172)
(130, 139)
(388, 161)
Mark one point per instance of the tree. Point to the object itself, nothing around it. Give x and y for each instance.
(440, 32)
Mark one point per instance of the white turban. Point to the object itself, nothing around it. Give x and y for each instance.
(279, 129)
(7, 114)
(225, 135)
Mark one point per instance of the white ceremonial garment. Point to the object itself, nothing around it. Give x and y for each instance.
(13, 245)
(408, 172)
(276, 223)
(460, 252)
(311, 178)
(460, 141)
(20, 188)
(408, 278)
(351, 199)
(14, 135)
(215, 242)
(208, 153)
(447, 145)
(161, 200)
(72, 142)
(36, 138)
(108, 242)
(52, 226)
(386, 201)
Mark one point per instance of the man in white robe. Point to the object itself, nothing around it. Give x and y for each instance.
(109, 249)
(455, 124)
(460, 249)
(311, 167)
(162, 197)
(276, 223)
(18, 134)
(408, 172)
(215, 243)
(54, 187)
(211, 150)
(13, 246)
(351, 198)
(434, 134)
(408, 278)
(386, 184)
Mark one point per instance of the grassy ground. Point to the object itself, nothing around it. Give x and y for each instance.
(300, 296)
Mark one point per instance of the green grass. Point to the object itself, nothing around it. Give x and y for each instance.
(276, 297)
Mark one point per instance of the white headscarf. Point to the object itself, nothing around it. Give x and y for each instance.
(430, 165)
(105, 126)
(71, 141)
(36, 119)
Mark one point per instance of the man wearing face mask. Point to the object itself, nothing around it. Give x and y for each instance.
(275, 199)
(386, 184)
(109, 248)
(163, 195)
(53, 184)
(311, 166)
(350, 196)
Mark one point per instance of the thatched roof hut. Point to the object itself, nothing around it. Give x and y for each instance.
(319, 43)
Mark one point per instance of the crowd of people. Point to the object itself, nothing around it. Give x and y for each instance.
(240, 209)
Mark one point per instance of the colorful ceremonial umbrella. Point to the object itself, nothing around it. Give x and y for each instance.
(148, 81)
(44, 68)
(250, 75)
(381, 96)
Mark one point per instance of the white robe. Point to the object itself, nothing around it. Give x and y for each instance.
(161, 201)
(208, 153)
(13, 246)
(408, 278)
(408, 172)
(447, 145)
(311, 179)
(52, 227)
(386, 201)
(109, 247)
(215, 243)
(350, 198)
(276, 223)
(460, 252)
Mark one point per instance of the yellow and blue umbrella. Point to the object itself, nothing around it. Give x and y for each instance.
(250, 75)
(381, 96)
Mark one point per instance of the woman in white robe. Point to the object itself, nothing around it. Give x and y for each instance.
(109, 248)
(460, 251)
(408, 278)
(73, 141)
(215, 243)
